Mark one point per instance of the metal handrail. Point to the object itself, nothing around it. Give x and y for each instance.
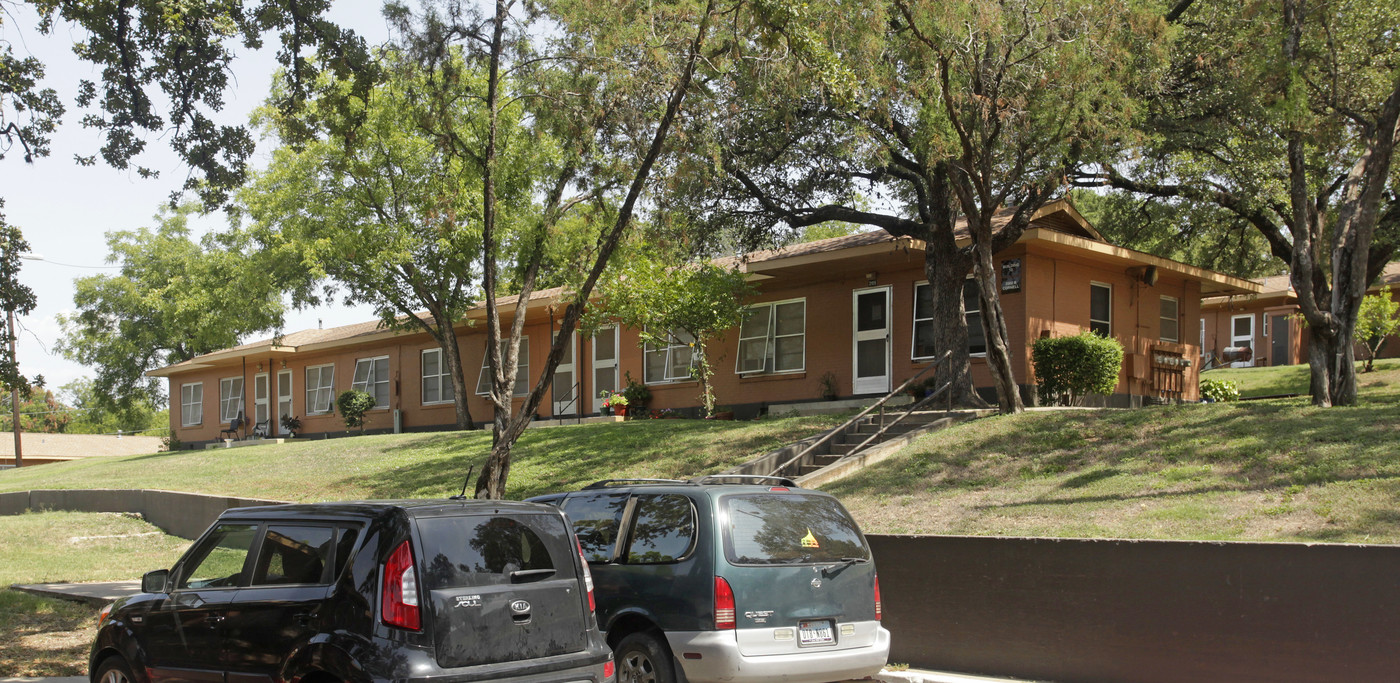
(577, 391)
(874, 437)
(878, 404)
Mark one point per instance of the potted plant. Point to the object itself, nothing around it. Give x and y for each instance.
(636, 393)
(617, 403)
(291, 424)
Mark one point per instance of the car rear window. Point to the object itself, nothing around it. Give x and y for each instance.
(789, 528)
(494, 550)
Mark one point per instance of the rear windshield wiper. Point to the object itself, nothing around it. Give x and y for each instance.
(522, 575)
(842, 564)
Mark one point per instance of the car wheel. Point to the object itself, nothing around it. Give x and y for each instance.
(114, 670)
(641, 658)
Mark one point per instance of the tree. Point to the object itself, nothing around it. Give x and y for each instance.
(1376, 321)
(174, 298)
(92, 416)
(1296, 139)
(921, 105)
(15, 299)
(39, 411)
(163, 69)
(373, 206)
(677, 304)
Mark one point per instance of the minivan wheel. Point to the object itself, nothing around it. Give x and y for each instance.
(114, 670)
(641, 658)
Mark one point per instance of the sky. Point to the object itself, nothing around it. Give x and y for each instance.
(64, 210)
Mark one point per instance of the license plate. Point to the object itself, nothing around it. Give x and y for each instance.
(816, 632)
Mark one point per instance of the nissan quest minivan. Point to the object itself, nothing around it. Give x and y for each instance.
(735, 579)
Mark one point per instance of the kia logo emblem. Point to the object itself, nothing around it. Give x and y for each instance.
(520, 607)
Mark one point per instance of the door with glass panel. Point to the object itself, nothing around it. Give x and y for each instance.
(262, 406)
(564, 390)
(1242, 336)
(284, 400)
(604, 365)
(871, 340)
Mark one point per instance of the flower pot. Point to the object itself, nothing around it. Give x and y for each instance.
(726, 415)
(622, 411)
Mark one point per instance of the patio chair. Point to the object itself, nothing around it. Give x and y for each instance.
(260, 430)
(232, 431)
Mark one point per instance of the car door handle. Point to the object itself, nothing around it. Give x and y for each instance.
(302, 618)
(213, 618)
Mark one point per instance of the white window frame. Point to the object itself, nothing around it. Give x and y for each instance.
(914, 329)
(313, 389)
(770, 339)
(1203, 336)
(1264, 323)
(522, 370)
(1162, 318)
(1109, 321)
(372, 379)
(227, 397)
(444, 379)
(669, 350)
(189, 404)
(966, 313)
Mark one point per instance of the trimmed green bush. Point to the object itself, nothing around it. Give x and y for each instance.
(1069, 368)
(353, 404)
(1219, 390)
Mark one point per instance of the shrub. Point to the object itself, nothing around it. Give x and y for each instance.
(1219, 390)
(352, 405)
(1068, 368)
(636, 393)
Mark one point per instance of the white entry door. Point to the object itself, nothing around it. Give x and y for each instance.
(262, 408)
(1242, 335)
(871, 343)
(565, 388)
(604, 365)
(284, 400)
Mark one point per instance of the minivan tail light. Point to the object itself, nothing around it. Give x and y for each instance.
(587, 575)
(399, 597)
(879, 612)
(724, 604)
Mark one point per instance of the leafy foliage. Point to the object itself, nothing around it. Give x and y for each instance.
(353, 404)
(1069, 368)
(39, 411)
(1376, 322)
(15, 298)
(91, 415)
(173, 299)
(1219, 390)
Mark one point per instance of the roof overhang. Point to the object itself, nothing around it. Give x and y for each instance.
(1212, 282)
(218, 358)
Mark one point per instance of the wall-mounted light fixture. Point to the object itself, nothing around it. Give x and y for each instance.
(284, 363)
(259, 367)
(870, 278)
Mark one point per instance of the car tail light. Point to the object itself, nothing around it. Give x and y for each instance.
(879, 612)
(608, 669)
(724, 604)
(399, 597)
(587, 579)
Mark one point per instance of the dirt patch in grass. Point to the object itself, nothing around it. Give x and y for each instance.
(44, 637)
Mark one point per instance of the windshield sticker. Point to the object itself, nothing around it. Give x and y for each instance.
(810, 541)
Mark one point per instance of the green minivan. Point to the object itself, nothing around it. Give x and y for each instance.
(731, 578)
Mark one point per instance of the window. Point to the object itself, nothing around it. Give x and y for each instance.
(480, 550)
(230, 398)
(437, 383)
(1171, 331)
(372, 377)
(218, 562)
(1101, 309)
(595, 520)
(792, 528)
(664, 530)
(924, 323)
(1203, 335)
(292, 555)
(191, 404)
(773, 338)
(669, 363)
(320, 389)
(1264, 325)
(522, 370)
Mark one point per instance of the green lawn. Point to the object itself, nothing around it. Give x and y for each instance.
(1275, 470)
(44, 637)
(434, 464)
(1274, 381)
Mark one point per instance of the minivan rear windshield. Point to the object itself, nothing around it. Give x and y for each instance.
(491, 550)
(790, 528)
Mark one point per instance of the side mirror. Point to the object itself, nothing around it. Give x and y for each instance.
(156, 581)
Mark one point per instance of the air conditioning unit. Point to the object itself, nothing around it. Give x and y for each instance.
(398, 421)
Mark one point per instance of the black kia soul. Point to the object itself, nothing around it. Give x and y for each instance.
(403, 591)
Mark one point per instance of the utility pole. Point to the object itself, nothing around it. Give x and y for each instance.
(14, 396)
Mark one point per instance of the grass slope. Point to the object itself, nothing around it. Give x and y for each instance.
(433, 464)
(1277, 470)
(43, 637)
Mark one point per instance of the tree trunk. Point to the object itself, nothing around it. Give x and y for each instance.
(452, 358)
(1319, 376)
(947, 267)
(994, 325)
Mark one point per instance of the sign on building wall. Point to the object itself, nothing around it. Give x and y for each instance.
(1011, 276)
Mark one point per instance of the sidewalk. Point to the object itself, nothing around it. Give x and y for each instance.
(100, 594)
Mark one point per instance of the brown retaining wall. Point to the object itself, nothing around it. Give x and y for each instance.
(1143, 611)
(181, 514)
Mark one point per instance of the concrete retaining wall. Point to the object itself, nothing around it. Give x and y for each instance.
(181, 514)
(1144, 611)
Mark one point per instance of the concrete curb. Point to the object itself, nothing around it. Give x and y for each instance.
(55, 679)
(97, 593)
(922, 676)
